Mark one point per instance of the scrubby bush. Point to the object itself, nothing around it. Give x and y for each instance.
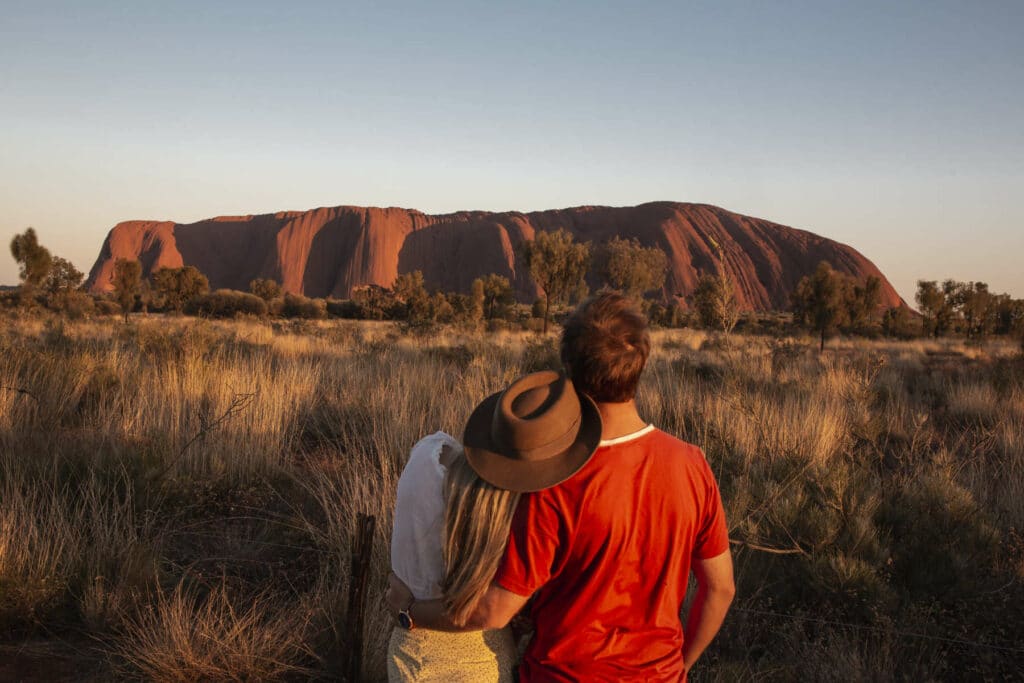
(266, 289)
(73, 303)
(666, 315)
(9, 298)
(716, 302)
(535, 325)
(178, 286)
(227, 303)
(495, 296)
(538, 308)
(298, 306)
(896, 322)
(373, 302)
(104, 305)
(345, 308)
(628, 266)
(467, 309)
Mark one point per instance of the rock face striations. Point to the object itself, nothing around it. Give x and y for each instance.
(329, 251)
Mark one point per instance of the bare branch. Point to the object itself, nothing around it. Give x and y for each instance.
(20, 390)
(239, 403)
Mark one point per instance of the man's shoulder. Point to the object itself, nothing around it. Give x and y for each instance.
(665, 442)
(661, 451)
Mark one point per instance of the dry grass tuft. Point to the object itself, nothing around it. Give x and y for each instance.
(191, 636)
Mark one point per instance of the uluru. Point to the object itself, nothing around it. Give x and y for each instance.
(327, 252)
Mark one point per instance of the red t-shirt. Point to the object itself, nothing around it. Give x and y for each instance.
(608, 554)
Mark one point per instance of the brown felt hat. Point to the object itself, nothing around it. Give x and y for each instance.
(535, 434)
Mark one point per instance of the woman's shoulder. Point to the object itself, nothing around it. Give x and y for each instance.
(432, 454)
(434, 446)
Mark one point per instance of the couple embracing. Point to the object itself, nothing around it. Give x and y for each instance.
(562, 497)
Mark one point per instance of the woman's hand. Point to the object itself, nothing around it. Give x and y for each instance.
(399, 595)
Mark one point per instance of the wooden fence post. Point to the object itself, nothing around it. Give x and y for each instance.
(362, 551)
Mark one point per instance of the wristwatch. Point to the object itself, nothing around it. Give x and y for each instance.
(405, 617)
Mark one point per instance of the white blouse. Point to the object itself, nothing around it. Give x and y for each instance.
(419, 518)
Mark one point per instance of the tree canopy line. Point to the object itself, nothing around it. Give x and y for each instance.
(827, 301)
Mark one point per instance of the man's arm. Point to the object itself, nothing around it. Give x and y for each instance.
(715, 590)
(495, 609)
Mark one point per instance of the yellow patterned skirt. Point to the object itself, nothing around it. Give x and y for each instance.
(475, 657)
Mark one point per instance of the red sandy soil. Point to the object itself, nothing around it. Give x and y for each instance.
(328, 251)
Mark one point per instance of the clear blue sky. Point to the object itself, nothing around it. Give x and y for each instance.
(897, 128)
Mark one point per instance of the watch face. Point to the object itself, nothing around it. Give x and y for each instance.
(404, 620)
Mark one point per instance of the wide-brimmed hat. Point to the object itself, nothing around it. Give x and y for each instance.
(535, 434)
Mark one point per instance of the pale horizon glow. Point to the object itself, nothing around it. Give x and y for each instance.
(894, 129)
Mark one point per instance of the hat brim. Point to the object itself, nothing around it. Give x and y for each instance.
(525, 476)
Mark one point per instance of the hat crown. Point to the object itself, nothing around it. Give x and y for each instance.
(537, 417)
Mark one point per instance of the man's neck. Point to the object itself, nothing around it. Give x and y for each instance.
(619, 419)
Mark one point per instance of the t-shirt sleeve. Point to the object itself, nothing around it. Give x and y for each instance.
(713, 535)
(535, 545)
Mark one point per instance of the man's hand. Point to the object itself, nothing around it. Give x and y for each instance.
(399, 595)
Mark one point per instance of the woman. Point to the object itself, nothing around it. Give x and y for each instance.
(453, 512)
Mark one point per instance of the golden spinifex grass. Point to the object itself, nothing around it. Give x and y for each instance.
(182, 494)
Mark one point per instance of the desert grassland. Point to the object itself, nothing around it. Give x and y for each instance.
(178, 497)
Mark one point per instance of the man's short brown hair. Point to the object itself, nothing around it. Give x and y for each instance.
(605, 347)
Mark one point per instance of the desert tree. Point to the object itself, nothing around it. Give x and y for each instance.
(265, 288)
(896, 322)
(863, 301)
(410, 291)
(34, 261)
(630, 267)
(715, 301)
(441, 310)
(821, 301)
(63, 288)
(409, 287)
(558, 264)
(150, 297)
(373, 302)
(306, 308)
(1008, 315)
(178, 286)
(937, 305)
(496, 295)
(976, 306)
(63, 277)
(127, 282)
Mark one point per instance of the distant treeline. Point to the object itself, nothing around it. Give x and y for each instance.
(825, 302)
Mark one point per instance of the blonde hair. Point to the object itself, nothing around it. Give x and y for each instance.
(478, 517)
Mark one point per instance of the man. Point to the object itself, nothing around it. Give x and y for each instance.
(607, 553)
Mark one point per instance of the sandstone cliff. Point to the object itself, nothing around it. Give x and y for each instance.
(328, 251)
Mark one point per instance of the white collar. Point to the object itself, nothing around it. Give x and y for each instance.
(628, 437)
